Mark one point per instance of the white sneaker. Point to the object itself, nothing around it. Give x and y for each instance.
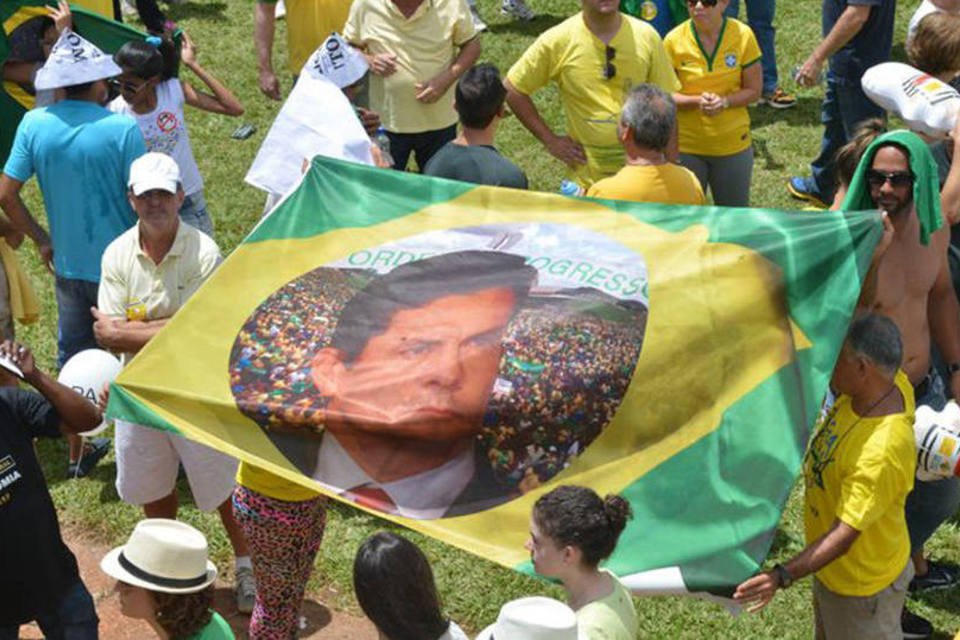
(518, 9)
(478, 22)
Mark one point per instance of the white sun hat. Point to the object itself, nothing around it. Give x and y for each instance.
(162, 555)
(337, 61)
(534, 618)
(74, 60)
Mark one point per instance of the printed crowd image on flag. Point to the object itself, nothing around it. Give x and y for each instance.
(442, 354)
(472, 359)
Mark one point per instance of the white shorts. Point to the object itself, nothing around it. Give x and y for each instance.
(148, 461)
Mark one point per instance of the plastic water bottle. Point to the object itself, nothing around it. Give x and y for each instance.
(384, 143)
(818, 80)
(570, 188)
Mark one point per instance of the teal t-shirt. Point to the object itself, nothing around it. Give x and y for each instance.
(81, 155)
(216, 629)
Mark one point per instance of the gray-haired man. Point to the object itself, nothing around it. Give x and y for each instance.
(858, 470)
(646, 125)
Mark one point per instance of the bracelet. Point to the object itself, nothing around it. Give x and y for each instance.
(953, 367)
(783, 576)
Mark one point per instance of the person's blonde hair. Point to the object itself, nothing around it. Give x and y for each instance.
(934, 47)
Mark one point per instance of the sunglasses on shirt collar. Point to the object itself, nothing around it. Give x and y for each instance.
(608, 69)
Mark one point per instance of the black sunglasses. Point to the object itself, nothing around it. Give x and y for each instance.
(706, 3)
(608, 69)
(897, 179)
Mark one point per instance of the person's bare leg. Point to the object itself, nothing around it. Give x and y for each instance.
(76, 447)
(919, 563)
(234, 532)
(165, 507)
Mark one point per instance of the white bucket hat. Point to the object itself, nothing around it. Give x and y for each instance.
(74, 60)
(534, 618)
(162, 555)
(338, 62)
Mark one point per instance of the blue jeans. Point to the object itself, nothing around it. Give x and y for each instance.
(74, 320)
(193, 211)
(74, 618)
(760, 18)
(844, 107)
(931, 503)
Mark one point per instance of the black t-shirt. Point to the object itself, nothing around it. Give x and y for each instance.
(478, 164)
(872, 43)
(36, 567)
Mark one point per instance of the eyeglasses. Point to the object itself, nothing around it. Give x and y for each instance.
(127, 87)
(705, 3)
(897, 179)
(608, 69)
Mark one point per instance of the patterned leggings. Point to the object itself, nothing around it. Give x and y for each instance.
(284, 538)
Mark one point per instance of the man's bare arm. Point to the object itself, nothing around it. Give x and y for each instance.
(21, 219)
(264, 27)
(757, 592)
(846, 27)
(128, 336)
(563, 148)
(943, 314)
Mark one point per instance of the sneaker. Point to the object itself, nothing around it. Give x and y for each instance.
(914, 626)
(518, 9)
(798, 189)
(93, 451)
(478, 23)
(938, 576)
(245, 589)
(778, 99)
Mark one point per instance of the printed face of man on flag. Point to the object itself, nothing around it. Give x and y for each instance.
(445, 385)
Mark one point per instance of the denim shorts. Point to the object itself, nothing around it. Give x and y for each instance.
(74, 320)
(193, 211)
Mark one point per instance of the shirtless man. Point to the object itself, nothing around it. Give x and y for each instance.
(911, 284)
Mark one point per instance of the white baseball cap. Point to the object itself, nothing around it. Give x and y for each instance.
(154, 171)
(162, 555)
(534, 618)
(74, 60)
(338, 62)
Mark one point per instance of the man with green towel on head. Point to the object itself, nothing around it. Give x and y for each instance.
(910, 283)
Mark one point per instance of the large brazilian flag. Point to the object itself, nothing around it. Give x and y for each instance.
(443, 354)
(19, 40)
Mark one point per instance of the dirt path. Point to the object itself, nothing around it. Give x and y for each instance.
(321, 621)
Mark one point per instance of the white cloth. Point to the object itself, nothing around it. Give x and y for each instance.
(72, 61)
(424, 496)
(926, 8)
(317, 119)
(148, 461)
(926, 104)
(165, 130)
(454, 632)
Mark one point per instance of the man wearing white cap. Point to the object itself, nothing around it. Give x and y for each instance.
(80, 153)
(148, 273)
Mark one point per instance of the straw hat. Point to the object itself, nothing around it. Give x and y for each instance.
(74, 60)
(162, 555)
(534, 618)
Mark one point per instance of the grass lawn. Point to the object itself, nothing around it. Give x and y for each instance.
(472, 589)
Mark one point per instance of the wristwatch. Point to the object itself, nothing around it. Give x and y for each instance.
(783, 576)
(953, 367)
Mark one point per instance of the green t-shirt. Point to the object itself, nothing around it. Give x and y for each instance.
(610, 618)
(216, 629)
(479, 164)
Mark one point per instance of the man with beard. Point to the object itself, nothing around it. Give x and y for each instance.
(910, 283)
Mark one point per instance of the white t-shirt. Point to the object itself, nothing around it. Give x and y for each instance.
(926, 8)
(165, 130)
(454, 632)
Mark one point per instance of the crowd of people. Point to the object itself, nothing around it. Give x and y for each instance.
(649, 117)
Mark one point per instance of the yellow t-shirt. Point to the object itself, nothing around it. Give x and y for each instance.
(103, 7)
(272, 485)
(309, 23)
(610, 618)
(728, 132)
(860, 470)
(425, 44)
(573, 57)
(666, 183)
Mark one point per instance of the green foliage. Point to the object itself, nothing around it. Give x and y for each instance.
(472, 589)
